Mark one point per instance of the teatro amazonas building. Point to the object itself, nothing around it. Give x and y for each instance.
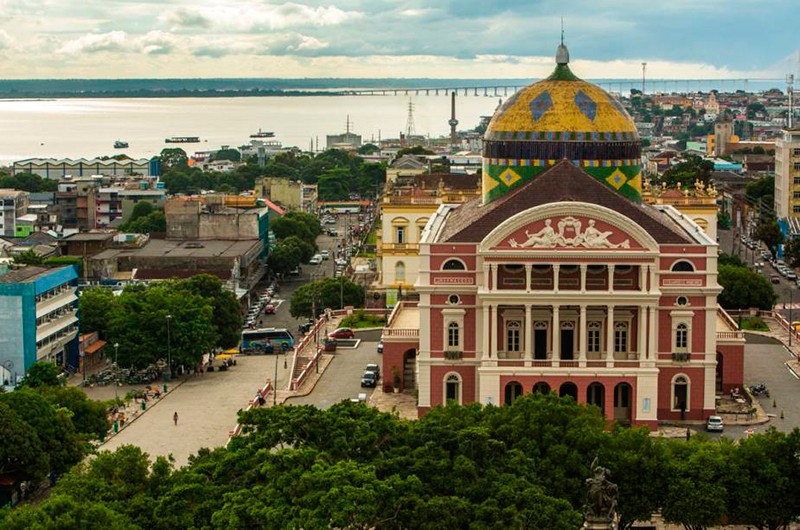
(558, 279)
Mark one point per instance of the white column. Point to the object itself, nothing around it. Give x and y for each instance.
(584, 268)
(528, 268)
(640, 332)
(556, 268)
(653, 279)
(486, 276)
(642, 278)
(494, 267)
(556, 340)
(493, 338)
(610, 334)
(611, 278)
(652, 352)
(528, 332)
(485, 328)
(583, 338)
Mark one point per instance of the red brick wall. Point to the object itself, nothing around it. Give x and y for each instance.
(468, 386)
(696, 394)
(665, 264)
(732, 366)
(393, 357)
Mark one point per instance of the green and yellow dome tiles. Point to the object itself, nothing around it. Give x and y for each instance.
(556, 118)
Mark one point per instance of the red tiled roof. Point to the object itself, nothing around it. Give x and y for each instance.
(93, 347)
(472, 221)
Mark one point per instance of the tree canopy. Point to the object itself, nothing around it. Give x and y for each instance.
(687, 172)
(28, 182)
(744, 289)
(771, 235)
(329, 293)
(351, 466)
(28, 257)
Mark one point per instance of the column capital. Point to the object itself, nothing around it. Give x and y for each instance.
(584, 266)
(528, 266)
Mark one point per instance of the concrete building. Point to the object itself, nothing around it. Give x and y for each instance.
(347, 141)
(108, 207)
(723, 134)
(189, 219)
(285, 192)
(53, 168)
(13, 206)
(38, 320)
(787, 174)
(558, 279)
(310, 198)
(406, 166)
(698, 204)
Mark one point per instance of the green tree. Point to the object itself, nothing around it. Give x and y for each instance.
(173, 157)
(287, 227)
(139, 325)
(28, 182)
(310, 221)
(688, 172)
(762, 187)
(791, 252)
(61, 512)
(744, 289)
(329, 293)
(279, 170)
(42, 373)
(153, 222)
(727, 259)
(413, 150)
(89, 417)
(21, 451)
(306, 249)
(285, 257)
(53, 427)
(227, 316)
(141, 209)
(96, 306)
(368, 149)
(638, 466)
(228, 154)
(770, 234)
(28, 257)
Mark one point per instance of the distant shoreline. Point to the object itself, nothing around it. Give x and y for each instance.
(164, 95)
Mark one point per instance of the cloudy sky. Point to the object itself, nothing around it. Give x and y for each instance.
(385, 38)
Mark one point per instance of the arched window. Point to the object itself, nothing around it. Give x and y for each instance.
(682, 338)
(400, 272)
(452, 388)
(621, 337)
(453, 265)
(453, 335)
(682, 266)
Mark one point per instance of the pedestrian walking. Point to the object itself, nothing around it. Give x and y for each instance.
(175, 418)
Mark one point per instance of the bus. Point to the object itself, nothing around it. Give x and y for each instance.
(260, 339)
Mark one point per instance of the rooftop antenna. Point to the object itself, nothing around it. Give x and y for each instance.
(453, 122)
(562, 30)
(410, 129)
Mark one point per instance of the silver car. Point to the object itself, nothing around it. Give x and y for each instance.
(714, 423)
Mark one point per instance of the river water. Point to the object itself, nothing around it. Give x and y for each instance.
(87, 128)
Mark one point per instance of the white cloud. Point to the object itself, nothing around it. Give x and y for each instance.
(152, 43)
(257, 16)
(186, 18)
(6, 40)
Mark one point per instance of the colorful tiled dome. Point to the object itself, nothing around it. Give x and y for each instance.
(556, 118)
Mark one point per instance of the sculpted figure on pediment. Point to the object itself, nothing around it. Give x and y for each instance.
(547, 237)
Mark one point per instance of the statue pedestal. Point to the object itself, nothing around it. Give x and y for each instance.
(598, 524)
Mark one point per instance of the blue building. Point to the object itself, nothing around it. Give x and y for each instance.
(38, 320)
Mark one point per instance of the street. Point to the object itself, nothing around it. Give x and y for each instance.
(764, 359)
(787, 291)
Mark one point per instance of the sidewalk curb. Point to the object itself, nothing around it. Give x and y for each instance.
(297, 393)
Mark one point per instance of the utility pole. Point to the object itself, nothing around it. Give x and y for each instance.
(169, 350)
(116, 371)
(644, 68)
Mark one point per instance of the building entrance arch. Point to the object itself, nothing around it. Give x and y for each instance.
(409, 369)
(569, 389)
(623, 406)
(542, 388)
(596, 395)
(512, 392)
(718, 379)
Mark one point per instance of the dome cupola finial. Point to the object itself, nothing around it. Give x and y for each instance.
(562, 54)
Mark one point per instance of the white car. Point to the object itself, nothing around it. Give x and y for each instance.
(325, 254)
(714, 423)
(316, 260)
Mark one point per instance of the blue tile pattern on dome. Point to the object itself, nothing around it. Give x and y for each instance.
(541, 104)
(586, 104)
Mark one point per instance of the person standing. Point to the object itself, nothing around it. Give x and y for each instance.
(175, 418)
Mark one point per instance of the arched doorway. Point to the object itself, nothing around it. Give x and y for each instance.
(718, 377)
(680, 395)
(452, 388)
(513, 391)
(541, 387)
(623, 397)
(569, 389)
(409, 369)
(596, 395)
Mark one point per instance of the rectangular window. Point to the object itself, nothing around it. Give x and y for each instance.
(680, 339)
(796, 180)
(795, 152)
(797, 195)
(796, 168)
(452, 335)
(513, 336)
(796, 209)
(621, 341)
(400, 234)
(594, 340)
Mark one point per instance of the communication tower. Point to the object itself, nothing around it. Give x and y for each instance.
(410, 129)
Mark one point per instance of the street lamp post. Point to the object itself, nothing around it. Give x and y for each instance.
(791, 323)
(169, 350)
(116, 370)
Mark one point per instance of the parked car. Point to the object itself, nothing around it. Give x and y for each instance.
(369, 379)
(269, 309)
(295, 272)
(374, 368)
(380, 347)
(360, 399)
(714, 423)
(325, 254)
(315, 260)
(341, 333)
(792, 276)
(775, 278)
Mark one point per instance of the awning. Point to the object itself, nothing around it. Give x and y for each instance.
(94, 347)
(231, 351)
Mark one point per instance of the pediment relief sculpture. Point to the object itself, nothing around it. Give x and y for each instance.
(569, 235)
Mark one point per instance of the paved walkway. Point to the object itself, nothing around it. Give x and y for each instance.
(207, 406)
